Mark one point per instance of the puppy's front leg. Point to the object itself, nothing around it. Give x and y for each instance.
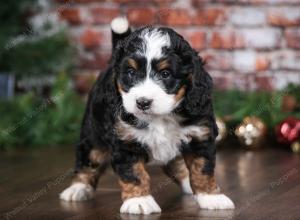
(135, 186)
(203, 183)
(85, 179)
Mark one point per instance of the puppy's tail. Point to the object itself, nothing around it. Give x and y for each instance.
(120, 29)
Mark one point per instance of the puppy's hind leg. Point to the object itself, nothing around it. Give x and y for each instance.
(90, 165)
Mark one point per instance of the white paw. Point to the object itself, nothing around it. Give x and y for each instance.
(140, 205)
(214, 201)
(186, 186)
(77, 192)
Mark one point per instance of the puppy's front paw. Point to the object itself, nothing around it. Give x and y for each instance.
(214, 201)
(77, 192)
(140, 205)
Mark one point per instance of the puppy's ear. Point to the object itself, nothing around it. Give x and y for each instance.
(198, 101)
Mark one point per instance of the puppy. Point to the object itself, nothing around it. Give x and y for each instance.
(153, 104)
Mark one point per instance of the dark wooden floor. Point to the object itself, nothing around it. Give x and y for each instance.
(263, 184)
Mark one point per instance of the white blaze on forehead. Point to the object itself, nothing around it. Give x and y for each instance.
(154, 41)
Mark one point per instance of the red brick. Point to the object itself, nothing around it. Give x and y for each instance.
(163, 2)
(160, 15)
(197, 39)
(71, 15)
(249, 2)
(243, 81)
(217, 60)
(198, 3)
(76, 1)
(264, 83)
(293, 38)
(234, 80)
(131, 1)
(247, 61)
(103, 15)
(90, 38)
(273, 2)
(268, 29)
(140, 16)
(175, 17)
(210, 16)
(284, 17)
(226, 40)
(262, 63)
(222, 81)
(96, 60)
(224, 1)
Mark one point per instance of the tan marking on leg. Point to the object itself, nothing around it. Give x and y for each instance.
(200, 182)
(132, 63)
(87, 176)
(180, 93)
(162, 65)
(98, 156)
(176, 169)
(130, 190)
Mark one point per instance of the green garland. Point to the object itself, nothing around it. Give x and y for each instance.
(235, 105)
(29, 120)
(34, 121)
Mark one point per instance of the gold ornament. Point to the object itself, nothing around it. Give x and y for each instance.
(251, 132)
(222, 130)
(295, 147)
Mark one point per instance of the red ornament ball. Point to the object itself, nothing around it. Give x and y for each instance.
(288, 131)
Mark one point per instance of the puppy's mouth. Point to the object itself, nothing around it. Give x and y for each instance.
(147, 112)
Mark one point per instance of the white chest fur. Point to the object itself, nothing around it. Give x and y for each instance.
(163, 136)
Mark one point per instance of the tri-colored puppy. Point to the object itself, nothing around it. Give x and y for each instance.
(153, 104)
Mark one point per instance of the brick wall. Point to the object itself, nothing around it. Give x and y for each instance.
(247, 44)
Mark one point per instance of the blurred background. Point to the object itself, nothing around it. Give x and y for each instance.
(51, 52)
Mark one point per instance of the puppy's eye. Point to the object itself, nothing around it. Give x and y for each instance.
(165, 73)
(130, 72)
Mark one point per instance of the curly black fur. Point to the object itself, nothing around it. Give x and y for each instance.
(104, 107)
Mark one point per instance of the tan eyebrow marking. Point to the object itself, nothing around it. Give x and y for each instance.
(163, 65)
(132, 63)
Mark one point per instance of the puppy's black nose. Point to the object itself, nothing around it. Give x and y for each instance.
(143, 103)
